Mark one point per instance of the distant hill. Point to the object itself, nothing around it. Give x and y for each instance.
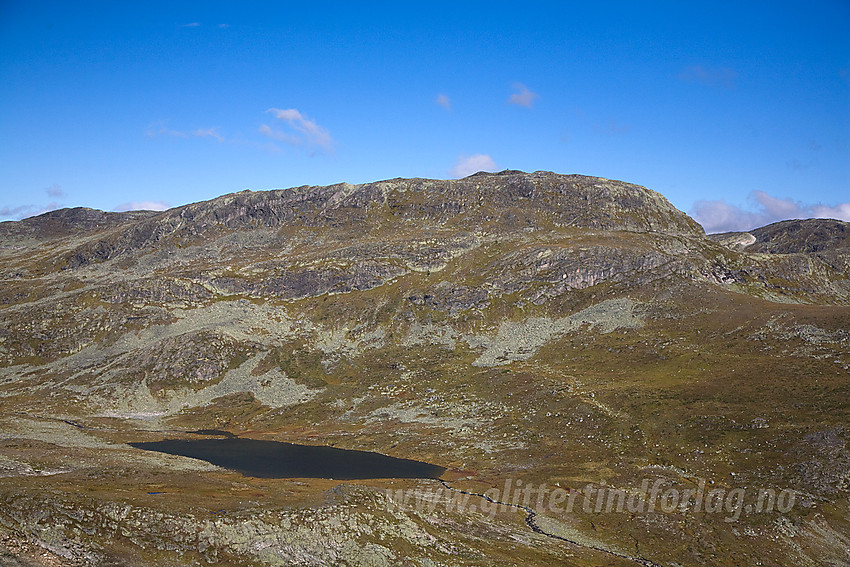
(791, 236)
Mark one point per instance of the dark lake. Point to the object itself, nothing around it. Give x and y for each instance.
(274, 459)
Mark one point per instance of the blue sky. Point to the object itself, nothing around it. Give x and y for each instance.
(738, 112)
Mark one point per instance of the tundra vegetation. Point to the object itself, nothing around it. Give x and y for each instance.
(546, 329)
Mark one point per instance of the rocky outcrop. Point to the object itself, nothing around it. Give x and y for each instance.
(483, 202)
(801, 236)
(64, 222)
(733, 240)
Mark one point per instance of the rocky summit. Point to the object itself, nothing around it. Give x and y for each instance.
(603, 383)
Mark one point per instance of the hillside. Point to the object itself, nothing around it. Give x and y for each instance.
(545, 328)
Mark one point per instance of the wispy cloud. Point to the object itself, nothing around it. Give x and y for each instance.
(17, 213)
(207, 133)
(467, 165)
(522, 96)
(199, 24)
(720, 216)
(444, 101)
(54, 191)
(723, 77)
(306, 131)
(142, 206)
(26, 211)
(160, 128)
(841, 211)
(280, 135)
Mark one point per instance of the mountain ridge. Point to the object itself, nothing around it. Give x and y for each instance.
(482, 201)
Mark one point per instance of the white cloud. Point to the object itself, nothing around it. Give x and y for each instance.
(26, 211)
(311, 133)
(17, 213)
(207, 132)
(444, 101)
(467, 165)
(523, 96)
(192, 25)
(54, 191)
(774, 207)
(710, 76)
(841, 211)
(279, 135)
(142, 206)
(720, 216)
(160, 128)
(13, 212)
